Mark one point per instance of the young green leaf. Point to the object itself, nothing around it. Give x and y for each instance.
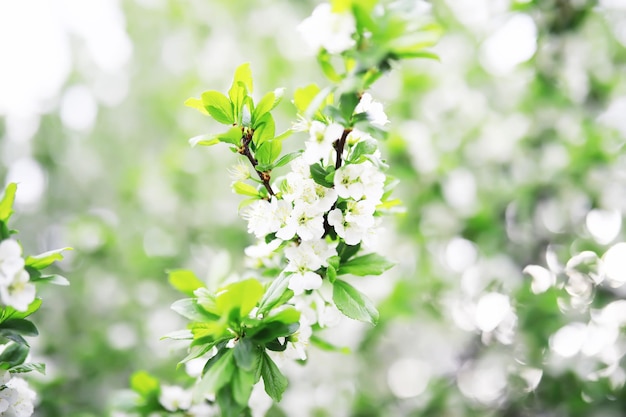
(52, 279)
(6, 204)
(265, 130)
(274, 381)
(196, 103)
(219, 107)
(243, 295)
(275, 293)
(370, 264)
(45, 259)
(353, 303)
(303, 97)
(268, 151)
(189, 308)
(245, 189)
(144, 384)
(184, 281)
(204, 140)
(267, 104)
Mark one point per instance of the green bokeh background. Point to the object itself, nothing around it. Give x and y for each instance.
(524, 152)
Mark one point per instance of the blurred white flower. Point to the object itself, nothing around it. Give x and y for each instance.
(15, 287)
(543, 279)
(20, 398)
(328, 30)
(11, 262)
(320, 143)
(175, 398)
(373, 109)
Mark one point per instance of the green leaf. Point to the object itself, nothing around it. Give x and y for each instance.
(184, 281)
(196, 103)
(275, 293)
(353, 303)
(190, 309)
(245, 189)
(267, 104)
(6, 204)
(364, 147)
(184, 334)
(324, 60)
(370, 264)
(303, 97)
(217, 372)
(243, 295)
(416, 54)
(21, 326)
(331, 273)
(346, 251)
(347, 104)
(10, 313)
(52, 279)
(265, 130)
(243, 382)
(196, 351)
(285, 159)
(241, 86)
(204, 140)
(274, 381)
(219, 107)
(14, 354)
(29, 367)
(246, 354)
(267, 153)
(318, 173)
(324, 345)
(45, 259)
(144, 384)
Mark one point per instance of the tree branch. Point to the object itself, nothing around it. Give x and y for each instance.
(245, 150)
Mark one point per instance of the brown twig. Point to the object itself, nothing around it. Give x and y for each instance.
(245, 150)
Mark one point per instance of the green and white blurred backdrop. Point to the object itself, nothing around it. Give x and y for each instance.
(510, 152)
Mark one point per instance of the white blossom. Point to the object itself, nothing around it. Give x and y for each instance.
(19, 293)
(350, 232)
(328, 30)
(16, 290)
(11, 261)
(305, 221)
(302, 261)
(261, 218)
(360, 212)
(19, 397)
(373, 109)
(174, 398)
(320, 143)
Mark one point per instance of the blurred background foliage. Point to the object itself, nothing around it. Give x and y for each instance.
(509, 153)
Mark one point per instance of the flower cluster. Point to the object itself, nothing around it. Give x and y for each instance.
(16, 397)
(309, 212)
(16, 290)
